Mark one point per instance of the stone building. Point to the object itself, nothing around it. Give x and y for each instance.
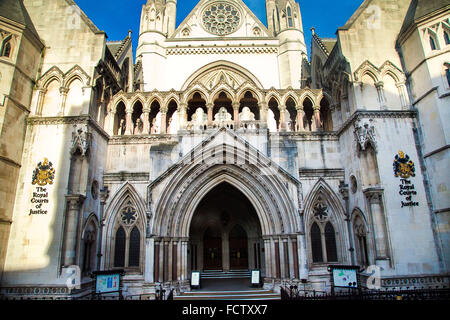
(220, 145)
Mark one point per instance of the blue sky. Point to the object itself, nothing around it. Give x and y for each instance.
(116, 17)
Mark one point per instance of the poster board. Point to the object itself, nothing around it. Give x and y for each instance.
(107, 283)
(255, 278)
(344, 276)
(195, 279)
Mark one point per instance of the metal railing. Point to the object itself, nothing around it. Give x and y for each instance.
(293, 292)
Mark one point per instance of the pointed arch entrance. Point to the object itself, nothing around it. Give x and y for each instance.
(225, 232)
(274, 229)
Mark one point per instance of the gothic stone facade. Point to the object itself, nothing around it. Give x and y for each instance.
(222, 146)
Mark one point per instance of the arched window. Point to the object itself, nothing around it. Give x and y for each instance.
(6, 48)
(433, 43)
(316, 243)
(119, 248)
(289, 17)
(446, 37)
(323, 235)
(330, 240)
(135, 248)
(447, 73)
(127, 246)
(360, 235)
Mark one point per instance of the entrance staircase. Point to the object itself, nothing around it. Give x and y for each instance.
(227, 285)
(229, 295)
(219, 274)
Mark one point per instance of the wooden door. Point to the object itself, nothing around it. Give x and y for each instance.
(212, 253)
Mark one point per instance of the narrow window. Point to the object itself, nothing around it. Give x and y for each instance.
(289, 16)
(135, 241)
(432, 43)
(446, 37)
(119, 248)
(6, 50)
(316, 243)
(330, 240)
(447, 73)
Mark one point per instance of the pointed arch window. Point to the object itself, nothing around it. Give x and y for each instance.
(289, 17)
(360, 235)
(433, 43)
(322, 234)
(447, 74)
(119, 248)
(6, 48)
(127, 243)
(134, 250)
(316, 243)
(446, 37)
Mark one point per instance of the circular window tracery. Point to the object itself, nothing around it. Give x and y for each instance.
(128, 215)
(221, 18)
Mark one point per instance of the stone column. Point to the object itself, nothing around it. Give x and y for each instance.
(184, 246)
(166, 263)
(301, 242)
(403, 95)
(374, 198)
(175, 260)
(236, 119)
(210, 107)
(291, 259)
(163, 121)
(129, 123)
(179, 260)
(110, 125)
(276, 260)
(156, 260)
(299, 121)
(169, 260)
(149, 260)
(282, 118)
(268, 257)
(40, 100)
(104, 193)
(263, 108)
(74, 203)
(295, 262)
(284, 254)
(317, 121)
(183, 115)
(146, 122)
(63, 97)
(161, 261)
(381, 97)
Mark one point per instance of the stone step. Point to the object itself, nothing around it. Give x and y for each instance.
(218, 274)
(229, 295)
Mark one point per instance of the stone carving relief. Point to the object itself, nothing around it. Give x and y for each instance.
(81, 140)
(364, 134)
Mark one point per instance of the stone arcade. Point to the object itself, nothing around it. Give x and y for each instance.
(220, 145)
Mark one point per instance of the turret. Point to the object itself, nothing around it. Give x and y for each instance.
(284, 21)
(158, 20)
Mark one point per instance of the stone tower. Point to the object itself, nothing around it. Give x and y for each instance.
(284, 22)
(158, 20)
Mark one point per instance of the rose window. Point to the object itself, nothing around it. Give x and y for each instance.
(221, 18)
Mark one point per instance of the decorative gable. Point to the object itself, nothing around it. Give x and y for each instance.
(212, 19)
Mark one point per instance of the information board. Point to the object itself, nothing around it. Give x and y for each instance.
(345, 278)
(107, 283)
(195, 279)
(255, 277)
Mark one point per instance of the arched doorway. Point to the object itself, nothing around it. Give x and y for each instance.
(225, 232)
